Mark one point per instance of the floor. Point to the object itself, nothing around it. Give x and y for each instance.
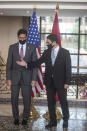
(77, 121)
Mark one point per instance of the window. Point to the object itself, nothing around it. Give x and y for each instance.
(73, 31)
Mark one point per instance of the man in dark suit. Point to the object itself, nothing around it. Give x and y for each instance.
(19, 77)
(57, 77)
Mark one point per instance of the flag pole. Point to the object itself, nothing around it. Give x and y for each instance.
(34, 8)
(57, 7)
(33, 112)
(58, 113)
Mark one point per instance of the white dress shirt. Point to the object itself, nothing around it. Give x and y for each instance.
(54, 53)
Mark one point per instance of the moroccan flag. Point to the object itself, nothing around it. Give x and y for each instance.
(55, 30)
(33, 38)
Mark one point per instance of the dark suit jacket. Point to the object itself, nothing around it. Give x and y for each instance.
(14, 72)
(61, 71)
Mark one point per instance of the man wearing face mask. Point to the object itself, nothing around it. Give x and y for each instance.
(57, 77)
(19, 77)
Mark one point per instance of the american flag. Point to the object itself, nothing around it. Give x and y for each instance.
(33, 38)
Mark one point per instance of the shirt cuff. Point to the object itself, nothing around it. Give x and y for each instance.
(26, 66)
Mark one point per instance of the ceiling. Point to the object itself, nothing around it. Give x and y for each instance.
(77, 8)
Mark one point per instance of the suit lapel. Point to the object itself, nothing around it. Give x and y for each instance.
(17, 50)
(27, 50)
(49, 58)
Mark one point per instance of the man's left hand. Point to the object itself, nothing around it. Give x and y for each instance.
(66, 86)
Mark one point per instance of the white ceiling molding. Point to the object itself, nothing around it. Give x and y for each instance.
(44, 1)
(40, 6)
(44, 8)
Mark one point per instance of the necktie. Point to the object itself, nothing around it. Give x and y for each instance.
(21, 53)
(53, 57)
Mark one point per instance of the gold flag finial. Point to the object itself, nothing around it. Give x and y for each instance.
(57, 7)
(34, 7)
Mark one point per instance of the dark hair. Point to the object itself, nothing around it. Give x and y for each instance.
(53, 37)
(22, 31)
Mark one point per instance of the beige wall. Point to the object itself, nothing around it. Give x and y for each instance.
(8, 33)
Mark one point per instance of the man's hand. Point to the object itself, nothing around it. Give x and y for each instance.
(33, 83)
(9, 82)
(21, 63)
(66, 86)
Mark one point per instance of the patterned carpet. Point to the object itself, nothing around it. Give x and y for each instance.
(6, 124)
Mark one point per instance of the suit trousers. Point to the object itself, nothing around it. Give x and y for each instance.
(26, 94)
(51, 97)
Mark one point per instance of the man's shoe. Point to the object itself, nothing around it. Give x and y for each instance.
(65, 124)
(16, 121)
(50, 125)
(24, 122)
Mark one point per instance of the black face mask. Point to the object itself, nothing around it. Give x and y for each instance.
(50, 46)
(22, 42)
